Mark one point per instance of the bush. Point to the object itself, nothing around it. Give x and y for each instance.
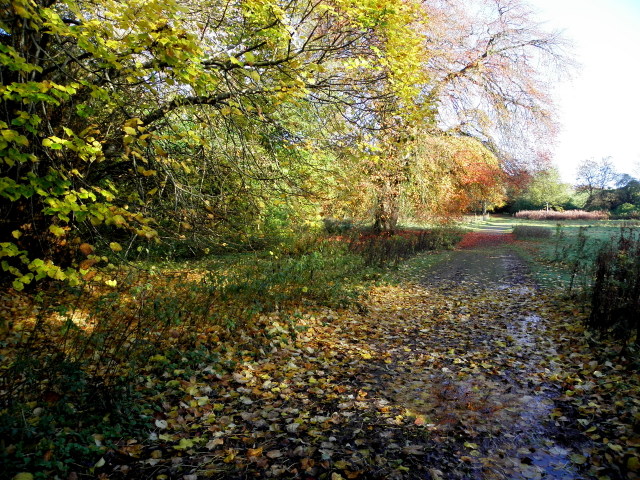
(615, 299)
(527, 231)
(566, 215)
(627, 211)
(390, 248)
(334, 226)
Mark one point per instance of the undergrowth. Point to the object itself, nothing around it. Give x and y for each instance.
(73, 358)
(599, 269)
(615, 298)
(392, 248)
(78, 371)
(529, 231)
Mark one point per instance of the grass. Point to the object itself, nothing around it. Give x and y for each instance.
(561, 254)
(565, 259)
(84, 355)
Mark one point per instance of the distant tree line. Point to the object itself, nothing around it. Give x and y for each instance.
(599, 187)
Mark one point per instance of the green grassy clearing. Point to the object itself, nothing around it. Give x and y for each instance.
(494, 224)
(565, 259)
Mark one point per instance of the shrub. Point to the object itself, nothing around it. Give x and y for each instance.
(565, 215)
(334, 226)
(627, 211)
(527, 231)
(615, 299)
(390, 248)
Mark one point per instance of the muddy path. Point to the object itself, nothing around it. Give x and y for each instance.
(463, 370)
(481, 374)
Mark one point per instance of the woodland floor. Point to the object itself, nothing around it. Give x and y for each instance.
(464, 370)
(457, 366)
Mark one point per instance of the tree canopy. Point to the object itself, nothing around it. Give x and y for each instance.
(149, 121)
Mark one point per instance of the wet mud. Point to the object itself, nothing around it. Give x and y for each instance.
(490, 391)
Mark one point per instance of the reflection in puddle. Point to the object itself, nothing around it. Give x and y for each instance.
(487, 394)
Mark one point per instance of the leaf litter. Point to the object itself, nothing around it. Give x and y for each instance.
(465, 371)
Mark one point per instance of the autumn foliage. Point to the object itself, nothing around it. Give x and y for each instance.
(482, 239)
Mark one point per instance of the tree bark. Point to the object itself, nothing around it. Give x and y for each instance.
(387, 210)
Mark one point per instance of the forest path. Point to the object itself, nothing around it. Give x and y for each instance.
(454, 372)
(483, 371)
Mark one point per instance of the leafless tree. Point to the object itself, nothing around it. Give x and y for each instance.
(594, 176)
(493, 66)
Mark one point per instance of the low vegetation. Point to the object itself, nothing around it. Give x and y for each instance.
(528, 231)
(385, 249)
(563, 215)
(84, 355)
(594, 261)
(615, 298)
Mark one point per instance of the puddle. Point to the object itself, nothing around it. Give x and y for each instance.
(480, 381)
(525, 332)
(517, 289)
(507, 429)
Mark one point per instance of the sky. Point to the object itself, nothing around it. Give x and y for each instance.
(600, 107)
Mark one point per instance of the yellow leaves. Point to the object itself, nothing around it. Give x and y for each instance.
(132, 128)
(243, 378)
(146, 173)
(117, 220)
(57, 231)
(185, 443)
(115, 246)
(254, 75)
(254, 452)
(23, 476)
(231, 110)
(15, 137)
(24, 10)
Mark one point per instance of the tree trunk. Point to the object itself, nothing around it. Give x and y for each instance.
(387, 210)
